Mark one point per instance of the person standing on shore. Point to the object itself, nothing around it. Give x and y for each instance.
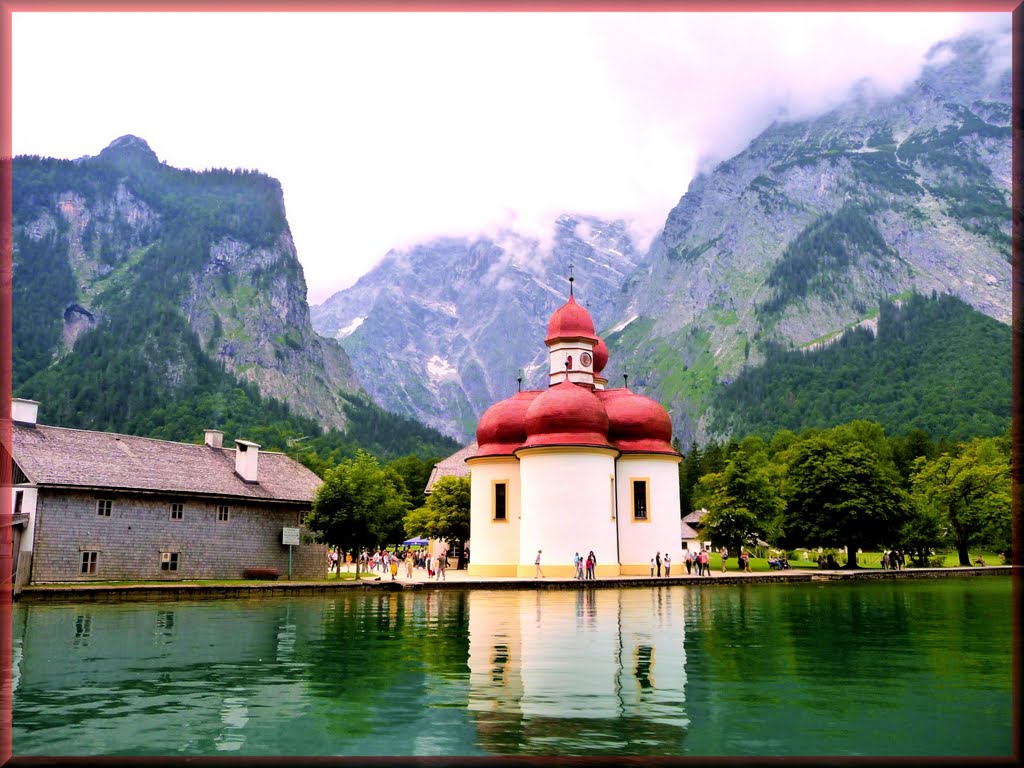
(705, 562)
(442, 565)
(591, 564)
(657, 562)
(668, 565)
(689, 562)
(540, 572)
(725, 556)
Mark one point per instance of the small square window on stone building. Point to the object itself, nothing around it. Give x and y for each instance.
(168, 561)
(223, 513)
(89, 562)
(177, 511)
(104, 506)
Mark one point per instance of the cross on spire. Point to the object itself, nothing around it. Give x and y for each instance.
(570, 279)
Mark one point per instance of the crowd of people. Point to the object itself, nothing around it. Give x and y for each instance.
(585, 566)
(391, 561)
(894, 560)
(698, 561)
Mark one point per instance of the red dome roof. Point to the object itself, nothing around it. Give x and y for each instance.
(636, 424)
(570, 321)
(566, 414)
(600, 356)
(501, 429)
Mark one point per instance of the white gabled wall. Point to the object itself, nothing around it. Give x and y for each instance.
(495, 545)
(638, 541)
(566, 508)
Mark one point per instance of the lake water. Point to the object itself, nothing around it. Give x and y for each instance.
(894, 667)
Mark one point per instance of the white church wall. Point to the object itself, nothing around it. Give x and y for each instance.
(566, 508)
(495, 543)
(639, 540)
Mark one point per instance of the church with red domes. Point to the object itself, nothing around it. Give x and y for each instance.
(573, 468)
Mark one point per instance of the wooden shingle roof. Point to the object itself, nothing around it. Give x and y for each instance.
(454, 466)
(687, 530)
(76, 458)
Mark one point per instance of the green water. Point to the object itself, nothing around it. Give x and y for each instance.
(919, 667)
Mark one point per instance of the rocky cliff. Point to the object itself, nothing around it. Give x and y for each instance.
(441, 331)
(800, 235)
(121, 234)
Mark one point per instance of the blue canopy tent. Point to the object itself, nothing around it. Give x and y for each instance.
(414, 542)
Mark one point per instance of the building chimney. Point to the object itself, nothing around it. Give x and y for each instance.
(24, 411)
(214, 438)
(247, 457)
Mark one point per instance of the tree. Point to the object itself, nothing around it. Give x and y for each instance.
(906, 449)
(689, 473)
(445, 515)
(415, 473)
(357, 505)
(742, 501)
(971, 490)
(840, 493)
(924, 530)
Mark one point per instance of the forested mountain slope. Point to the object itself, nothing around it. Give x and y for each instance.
(157, 301)
(932, 364)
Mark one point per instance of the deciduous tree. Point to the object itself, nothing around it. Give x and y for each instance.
(742, 501)
(445, 515)
(971, 490)
(840, 493)
(357, 505)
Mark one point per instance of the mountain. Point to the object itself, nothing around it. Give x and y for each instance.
(441, 331)
(803, 233)
(146, 297)
(934, 365)
(786, 245)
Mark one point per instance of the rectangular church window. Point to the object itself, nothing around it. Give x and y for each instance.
(500, 501)
(639, 499)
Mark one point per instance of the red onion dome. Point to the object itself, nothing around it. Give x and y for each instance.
(600, 355)
(570, 321)
(636, 424)
(501, 429)
(566, 414)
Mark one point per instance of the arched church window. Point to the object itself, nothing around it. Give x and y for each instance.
(568, 363)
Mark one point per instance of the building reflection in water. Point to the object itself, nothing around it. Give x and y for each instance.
(579, 672)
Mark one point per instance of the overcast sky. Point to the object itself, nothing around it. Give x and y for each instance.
(388, 129)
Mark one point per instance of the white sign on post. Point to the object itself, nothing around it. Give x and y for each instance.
(290, 536)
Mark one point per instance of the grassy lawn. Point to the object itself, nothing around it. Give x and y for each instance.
(864, 560)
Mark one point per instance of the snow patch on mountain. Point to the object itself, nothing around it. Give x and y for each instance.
(349, 329)
(439, 369)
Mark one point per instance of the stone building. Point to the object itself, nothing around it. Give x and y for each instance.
(574, 468)
(99, 506)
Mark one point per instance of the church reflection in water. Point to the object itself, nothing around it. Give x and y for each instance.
(579, 672)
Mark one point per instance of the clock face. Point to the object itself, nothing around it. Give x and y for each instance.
(586, 359)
